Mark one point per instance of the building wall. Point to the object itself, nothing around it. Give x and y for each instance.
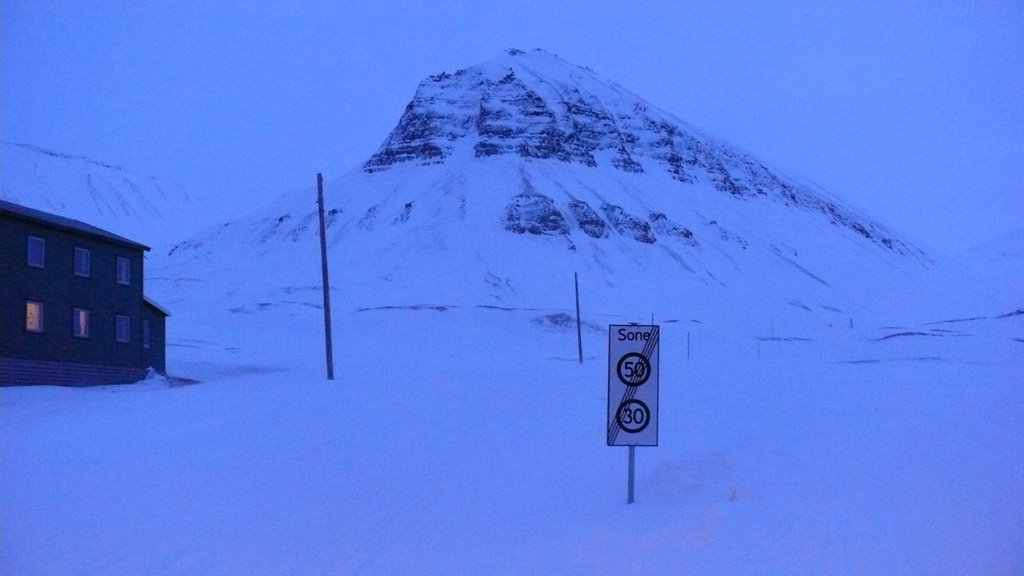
(155, 356)
(19, 371)
(60, 290)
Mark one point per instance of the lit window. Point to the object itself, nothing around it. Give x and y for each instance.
(124, 271)
(33, 316)
(80, 322)
(122, 329)
(81, 262)
(36, 251)
(145, 334)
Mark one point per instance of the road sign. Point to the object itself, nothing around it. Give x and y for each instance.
(633, 385)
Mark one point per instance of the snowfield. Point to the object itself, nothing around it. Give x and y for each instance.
(470, 440)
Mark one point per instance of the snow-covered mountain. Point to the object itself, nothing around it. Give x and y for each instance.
(122, 201)
(503, 179)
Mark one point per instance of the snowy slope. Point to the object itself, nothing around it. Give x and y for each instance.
(831, 401)
(127, 203)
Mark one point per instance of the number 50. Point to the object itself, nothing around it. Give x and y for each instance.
(633, 369)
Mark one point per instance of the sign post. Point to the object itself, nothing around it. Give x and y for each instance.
(633, 357)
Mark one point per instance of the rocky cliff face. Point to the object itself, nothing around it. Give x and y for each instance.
(541, 108)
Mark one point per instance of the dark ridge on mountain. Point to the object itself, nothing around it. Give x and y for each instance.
(60, 155)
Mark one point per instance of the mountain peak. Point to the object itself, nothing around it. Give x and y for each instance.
(535, 107)
(532, 104)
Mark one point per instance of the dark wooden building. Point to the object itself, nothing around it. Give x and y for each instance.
(72, 309)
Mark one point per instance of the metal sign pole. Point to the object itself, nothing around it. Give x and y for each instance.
(632, 468)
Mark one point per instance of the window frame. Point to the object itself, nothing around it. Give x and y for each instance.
(124, 265)
(122, 328)
(86, 260)
(40, 317)
(147, 329)
(40, 251)
(80, 329)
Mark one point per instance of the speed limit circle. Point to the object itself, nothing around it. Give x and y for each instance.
(633, 369)
(633, 416)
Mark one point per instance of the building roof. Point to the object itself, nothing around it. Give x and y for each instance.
(156, 306)
(31, 214)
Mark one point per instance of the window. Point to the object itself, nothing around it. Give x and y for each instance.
(33, 316)
(36, 252)
(145, 334)
(81, 262)
(80, 322)
(122, 328)
(124, 271)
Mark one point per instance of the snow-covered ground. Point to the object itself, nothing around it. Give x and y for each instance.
(469, 440)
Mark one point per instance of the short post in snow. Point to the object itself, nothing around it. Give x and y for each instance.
(633, 357)
(326, 278)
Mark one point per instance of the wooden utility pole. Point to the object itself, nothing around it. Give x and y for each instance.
(326, 279)
(579, 328)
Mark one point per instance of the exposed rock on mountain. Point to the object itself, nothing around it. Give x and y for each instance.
(539, 107)
(535, 214)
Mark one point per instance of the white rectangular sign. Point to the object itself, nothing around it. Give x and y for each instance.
(633, 385)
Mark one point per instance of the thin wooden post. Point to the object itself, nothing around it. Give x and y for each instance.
(579, 329)
(326, 279)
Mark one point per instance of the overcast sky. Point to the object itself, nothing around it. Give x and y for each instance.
(911, 111)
